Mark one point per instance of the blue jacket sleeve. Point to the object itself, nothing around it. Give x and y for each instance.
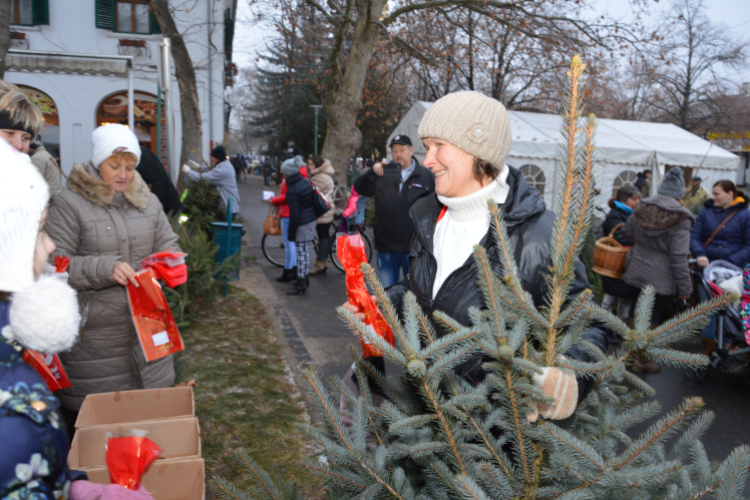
(696, 236)
(742, 256)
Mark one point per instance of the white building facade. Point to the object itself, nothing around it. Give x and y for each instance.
(78, 59)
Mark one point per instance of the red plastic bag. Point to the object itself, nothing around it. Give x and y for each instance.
(168, 265)
(49, 367)
(157, 330)
(350, 250)
(61, 263)
(128, 459)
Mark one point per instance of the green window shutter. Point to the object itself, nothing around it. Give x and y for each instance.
(152, 22)
(105, 14)
(40, 12)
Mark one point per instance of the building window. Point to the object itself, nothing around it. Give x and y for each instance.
(29, 12)
(624, 178)
(114, 109)
(51, 128)
(132, 16)
(534, 177)
(126, 16)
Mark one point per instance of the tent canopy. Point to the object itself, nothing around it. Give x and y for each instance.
(537, 135)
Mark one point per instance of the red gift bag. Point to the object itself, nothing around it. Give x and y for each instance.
(157, 330)
(128, 459)
(350, 249)
(49, 367)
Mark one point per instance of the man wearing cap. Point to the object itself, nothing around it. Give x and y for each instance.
(396, 187)
(222, 177)
(696, 196)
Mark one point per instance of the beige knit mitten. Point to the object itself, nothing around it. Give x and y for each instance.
(560, 384)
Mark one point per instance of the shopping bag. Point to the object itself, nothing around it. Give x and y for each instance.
(157, 330)
(272, 224)
(49, 367)
(320, 204)
(350, 250)
(128, 459)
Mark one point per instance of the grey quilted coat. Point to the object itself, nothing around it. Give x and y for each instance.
(97, 227)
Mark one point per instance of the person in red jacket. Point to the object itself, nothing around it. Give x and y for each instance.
(290, 249)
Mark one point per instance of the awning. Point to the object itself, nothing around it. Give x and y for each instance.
(79, 64)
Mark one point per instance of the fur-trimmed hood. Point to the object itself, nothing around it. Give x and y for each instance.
(85, 180)
(659, 213)
(325, 168)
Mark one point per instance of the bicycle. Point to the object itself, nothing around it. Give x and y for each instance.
(272, 246)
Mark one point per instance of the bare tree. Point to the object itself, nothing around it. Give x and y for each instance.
(4, 35)
(357, 26)
(192, 131)
(693, 64)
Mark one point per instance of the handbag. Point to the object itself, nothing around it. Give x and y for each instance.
(320, 204)
(272, 224)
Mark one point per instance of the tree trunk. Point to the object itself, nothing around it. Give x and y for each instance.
(4, 35)
(343, 137)
(192, 131)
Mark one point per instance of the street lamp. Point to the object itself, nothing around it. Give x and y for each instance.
(316, 107)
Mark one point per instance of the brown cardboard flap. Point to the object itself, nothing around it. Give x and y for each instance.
(178, 438)
(171, 479)
(136, 406)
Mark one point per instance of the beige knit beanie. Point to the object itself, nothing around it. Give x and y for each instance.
(23, 197)
(471, 121)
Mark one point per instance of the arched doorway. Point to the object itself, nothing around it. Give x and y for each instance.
(114, 109)
(51, 129)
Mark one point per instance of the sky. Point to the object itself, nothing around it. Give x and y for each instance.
(734, 14)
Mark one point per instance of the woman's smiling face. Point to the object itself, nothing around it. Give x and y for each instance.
(453, 168)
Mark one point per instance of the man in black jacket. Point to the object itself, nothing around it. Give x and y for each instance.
(395, 186)
(155, 175)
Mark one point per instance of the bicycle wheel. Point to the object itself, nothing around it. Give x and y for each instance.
(340, 195)
(273, 249)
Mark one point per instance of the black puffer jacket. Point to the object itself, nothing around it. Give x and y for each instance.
(616, 215)
(154, 174)
(529, 226)
(393, 228)
(299, 198)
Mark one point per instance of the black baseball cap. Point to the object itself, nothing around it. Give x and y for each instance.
(401, 139)
(697, 178)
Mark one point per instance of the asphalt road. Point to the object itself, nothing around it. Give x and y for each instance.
(316, 336)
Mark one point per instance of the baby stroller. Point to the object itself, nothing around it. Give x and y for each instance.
(731, 354)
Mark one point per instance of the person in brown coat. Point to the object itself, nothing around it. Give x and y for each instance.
(660, 232)
(107, 221)
(321, 174)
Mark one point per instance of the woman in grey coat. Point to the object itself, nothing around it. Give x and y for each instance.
(660, 231)
(107, 221)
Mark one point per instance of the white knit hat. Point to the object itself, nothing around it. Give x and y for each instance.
(23, 196)
(471, 121)
(114, 138)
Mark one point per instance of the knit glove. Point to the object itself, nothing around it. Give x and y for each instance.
(85, 490)
(560, 384)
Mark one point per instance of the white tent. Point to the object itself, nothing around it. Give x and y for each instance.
(624, 148)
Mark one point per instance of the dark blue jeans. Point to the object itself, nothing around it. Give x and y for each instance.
(389, 265)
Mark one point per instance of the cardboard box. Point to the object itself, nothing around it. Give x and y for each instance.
(171, 479)
(177, 437)
(136, 406)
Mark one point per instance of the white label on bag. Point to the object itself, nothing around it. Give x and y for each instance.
(160, 338)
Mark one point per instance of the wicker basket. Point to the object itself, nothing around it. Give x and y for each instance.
(609, 255)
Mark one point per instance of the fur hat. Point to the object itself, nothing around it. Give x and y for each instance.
(471, 121)
(23, 197)
(113, 138)
(673, 184)
(292, 165)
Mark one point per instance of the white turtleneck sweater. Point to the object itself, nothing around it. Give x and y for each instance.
(463, 226)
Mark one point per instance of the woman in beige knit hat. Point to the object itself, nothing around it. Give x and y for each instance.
(467, 138)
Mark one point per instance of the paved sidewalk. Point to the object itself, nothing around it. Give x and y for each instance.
(311, 326)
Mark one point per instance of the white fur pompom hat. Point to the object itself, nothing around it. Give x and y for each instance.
(23, 197)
